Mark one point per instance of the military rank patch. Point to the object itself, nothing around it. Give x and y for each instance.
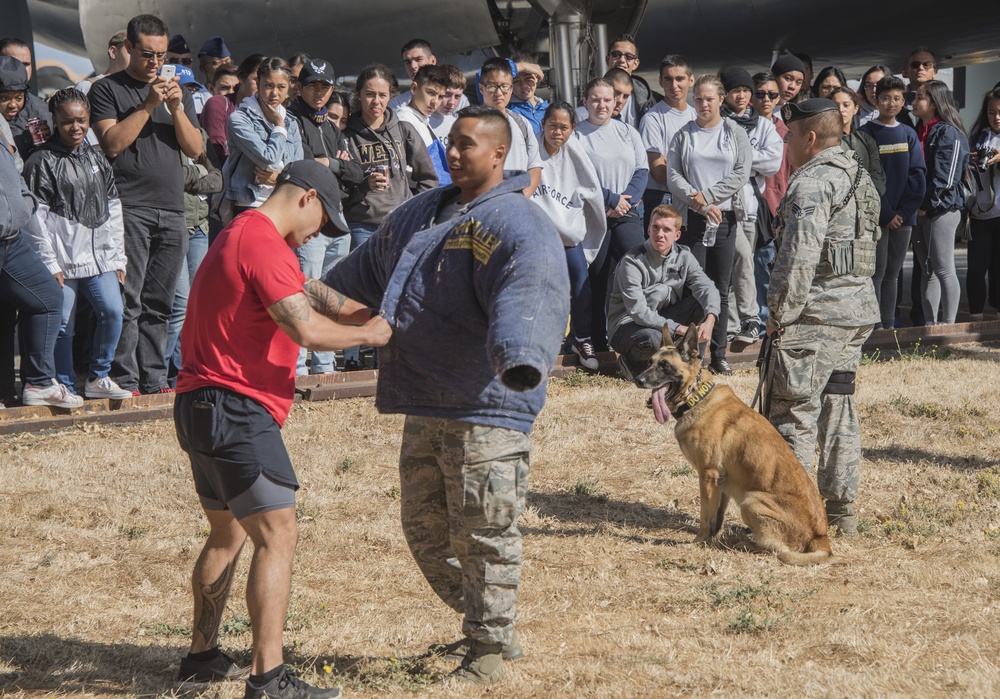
(801, 212)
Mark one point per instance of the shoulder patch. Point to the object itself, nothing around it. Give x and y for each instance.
(800, 212)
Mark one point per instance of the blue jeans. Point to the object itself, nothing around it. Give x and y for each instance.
(580, 295)
(316, 258)
(27, 285)
(762, 259)
(197, 249)
(105, 296)
(156, 243)
(360, 232)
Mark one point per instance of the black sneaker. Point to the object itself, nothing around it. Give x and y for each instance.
(288, 686)
(354, 365)
(720, 366)
(749, 332)
(584, 349)
(218, 669)
(623, 367)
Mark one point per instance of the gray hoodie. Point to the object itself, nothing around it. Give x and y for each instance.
(396, 145)
(647, 282)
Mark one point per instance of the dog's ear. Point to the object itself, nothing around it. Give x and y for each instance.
(689, 344)
(668, 337)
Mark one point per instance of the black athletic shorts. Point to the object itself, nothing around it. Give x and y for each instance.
(231, 440)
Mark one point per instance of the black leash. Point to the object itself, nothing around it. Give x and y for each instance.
(763, 369)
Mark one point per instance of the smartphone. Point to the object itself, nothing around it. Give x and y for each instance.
(168, 71)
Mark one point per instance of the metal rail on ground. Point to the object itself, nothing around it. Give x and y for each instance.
(361, 384)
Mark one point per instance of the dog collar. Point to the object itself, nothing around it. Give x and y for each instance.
(699, 394)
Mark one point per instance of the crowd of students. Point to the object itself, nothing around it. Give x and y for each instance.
(134, 172)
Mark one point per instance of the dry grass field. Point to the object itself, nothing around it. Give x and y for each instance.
(100, 528)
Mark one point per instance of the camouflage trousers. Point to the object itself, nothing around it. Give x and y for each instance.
(462, 488)
(807, 417)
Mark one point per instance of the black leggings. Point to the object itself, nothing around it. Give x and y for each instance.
(624, 234)
(984, 261)
(717, 261)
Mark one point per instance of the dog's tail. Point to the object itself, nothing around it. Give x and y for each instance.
(818, 552)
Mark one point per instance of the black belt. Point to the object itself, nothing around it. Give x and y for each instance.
(729, 216)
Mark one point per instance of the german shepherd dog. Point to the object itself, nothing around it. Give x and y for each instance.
(738, 454)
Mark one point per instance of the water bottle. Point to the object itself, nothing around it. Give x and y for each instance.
(711, 228)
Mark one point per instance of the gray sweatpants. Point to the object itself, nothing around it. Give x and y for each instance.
(890, 254)
(743, 292)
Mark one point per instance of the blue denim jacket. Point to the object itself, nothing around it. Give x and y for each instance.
(253, 142)
(478, 305)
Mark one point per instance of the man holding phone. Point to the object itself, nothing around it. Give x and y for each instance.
(143, 120)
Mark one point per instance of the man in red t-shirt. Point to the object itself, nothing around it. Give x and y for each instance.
(249, 310)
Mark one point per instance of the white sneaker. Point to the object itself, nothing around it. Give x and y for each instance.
(55, 395)
(104, 387)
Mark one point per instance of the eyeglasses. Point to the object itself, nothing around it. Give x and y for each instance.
(627, 56)
(917, 65)
(761, 94)
(886, 99)
(870, 86)
(150, 55)
(183, 61)
(494, 87)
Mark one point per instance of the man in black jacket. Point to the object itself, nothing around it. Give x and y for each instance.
(34, 106)
(322, 141)
(624, 54)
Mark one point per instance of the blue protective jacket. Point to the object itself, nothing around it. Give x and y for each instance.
(478, 305)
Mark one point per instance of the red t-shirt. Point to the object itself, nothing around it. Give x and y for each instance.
(229, 339)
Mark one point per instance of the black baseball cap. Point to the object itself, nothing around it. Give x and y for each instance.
(310, 174)
(316, 70)
(807, 108)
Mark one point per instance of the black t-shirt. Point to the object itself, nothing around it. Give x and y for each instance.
(149, 172)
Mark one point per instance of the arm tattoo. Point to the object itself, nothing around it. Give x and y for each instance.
(324, 300)
(291, 310)
(213, 601)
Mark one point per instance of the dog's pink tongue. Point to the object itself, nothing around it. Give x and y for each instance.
(660, 410)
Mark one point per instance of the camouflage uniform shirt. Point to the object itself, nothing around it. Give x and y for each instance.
(813, 280)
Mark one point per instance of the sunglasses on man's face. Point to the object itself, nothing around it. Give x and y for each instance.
(183, 61)
(627, 56)
(917, 65)
(761, 94)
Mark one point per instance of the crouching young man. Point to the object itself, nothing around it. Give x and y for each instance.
(479, 269)
(649, 294)
(249, 310)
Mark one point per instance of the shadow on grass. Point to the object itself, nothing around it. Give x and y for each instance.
(593, 514)
(903, 454)
(47, 663)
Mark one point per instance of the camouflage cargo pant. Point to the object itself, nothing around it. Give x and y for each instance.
(806, 416)
(462, 488)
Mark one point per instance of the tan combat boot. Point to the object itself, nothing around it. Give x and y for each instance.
(840, 514)
(483, 664)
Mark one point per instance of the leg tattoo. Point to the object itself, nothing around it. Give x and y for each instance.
(213, 601)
